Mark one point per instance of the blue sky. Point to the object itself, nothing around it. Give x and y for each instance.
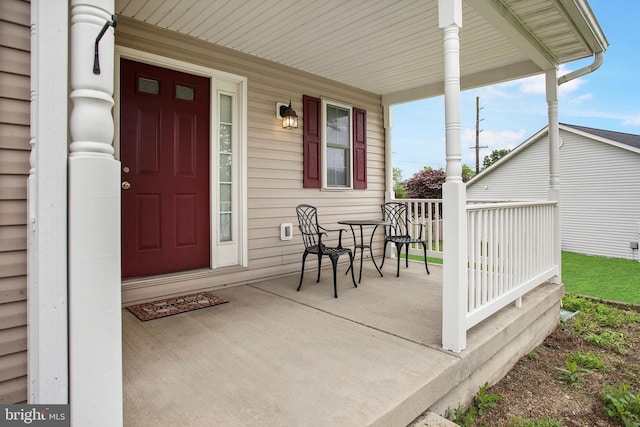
(513, 111)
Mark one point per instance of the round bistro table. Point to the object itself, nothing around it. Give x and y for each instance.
(361, 223)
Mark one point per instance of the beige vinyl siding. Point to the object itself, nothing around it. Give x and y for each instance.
(14, 168)
(274, 158)
(599, 191)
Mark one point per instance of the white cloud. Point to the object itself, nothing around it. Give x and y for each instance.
(493, 140)
(496, 91)
(632, 120)
(536, 85)
(572, 86)
(581, 98)
(625, 119)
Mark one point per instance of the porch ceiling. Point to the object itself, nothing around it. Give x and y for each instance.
(390, 48)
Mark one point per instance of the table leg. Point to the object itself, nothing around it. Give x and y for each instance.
(371, 250)
(361, 253)
(362, 247)
(355, 248)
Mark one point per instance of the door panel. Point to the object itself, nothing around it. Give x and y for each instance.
(164, 146)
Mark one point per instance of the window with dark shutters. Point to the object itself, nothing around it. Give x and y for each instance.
(312, 144)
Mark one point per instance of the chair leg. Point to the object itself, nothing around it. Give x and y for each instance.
(334, 262)
(384, 254)
(304, 257)
(424, 250)
(406, 256)
(319, 267)
(399, 252)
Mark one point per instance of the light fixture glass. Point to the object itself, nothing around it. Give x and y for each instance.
(289, 117)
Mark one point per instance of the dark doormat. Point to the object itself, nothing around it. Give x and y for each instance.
(170, 306)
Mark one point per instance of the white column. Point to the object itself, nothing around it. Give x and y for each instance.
(389, 193)
(94, 225)
(554, 166)
(454, 292)
(47, 210)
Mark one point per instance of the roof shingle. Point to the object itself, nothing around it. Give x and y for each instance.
(622, 138)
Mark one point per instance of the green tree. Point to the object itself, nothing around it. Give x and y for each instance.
(398, 186)
(467, 173)
(494, 157)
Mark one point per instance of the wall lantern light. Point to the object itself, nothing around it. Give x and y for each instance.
(287, 114)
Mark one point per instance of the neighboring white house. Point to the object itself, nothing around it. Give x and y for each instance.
(599, 179)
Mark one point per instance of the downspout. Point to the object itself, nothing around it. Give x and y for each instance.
(553, 83)
(597, 62)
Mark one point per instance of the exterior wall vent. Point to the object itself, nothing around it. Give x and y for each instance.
(286, 231)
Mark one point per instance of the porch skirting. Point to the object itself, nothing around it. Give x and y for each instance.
(489, 360)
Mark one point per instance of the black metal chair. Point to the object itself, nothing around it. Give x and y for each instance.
(397, 231)
(312, 234)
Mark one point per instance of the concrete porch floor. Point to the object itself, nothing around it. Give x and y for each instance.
(276, 357)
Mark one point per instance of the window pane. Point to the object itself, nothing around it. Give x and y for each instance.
(337, 167)
(337, 125)
(225, 197)
(225, 149)
(148, 86)
(225, 167)
(185, 93)
(225, 138)
(225, 227)
(225, 109)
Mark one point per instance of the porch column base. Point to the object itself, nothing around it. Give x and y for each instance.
(95, 316)
(454, 272)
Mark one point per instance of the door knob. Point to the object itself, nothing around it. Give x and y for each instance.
(126, 185)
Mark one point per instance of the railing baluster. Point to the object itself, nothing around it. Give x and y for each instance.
(471, 283)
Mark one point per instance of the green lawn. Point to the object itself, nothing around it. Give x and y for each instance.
(607, 278)
(421, 258)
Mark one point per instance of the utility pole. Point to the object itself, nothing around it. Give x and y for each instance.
(478, 146)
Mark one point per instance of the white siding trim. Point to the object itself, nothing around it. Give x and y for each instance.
(47, 282)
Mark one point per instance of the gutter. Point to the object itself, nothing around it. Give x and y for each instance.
(597, 62)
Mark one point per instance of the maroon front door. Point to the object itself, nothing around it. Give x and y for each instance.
(164, 149)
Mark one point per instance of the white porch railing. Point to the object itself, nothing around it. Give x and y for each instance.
(509, 249)
(510, 252)
(427, 212)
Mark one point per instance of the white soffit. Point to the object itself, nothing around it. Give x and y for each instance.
(380, 46)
